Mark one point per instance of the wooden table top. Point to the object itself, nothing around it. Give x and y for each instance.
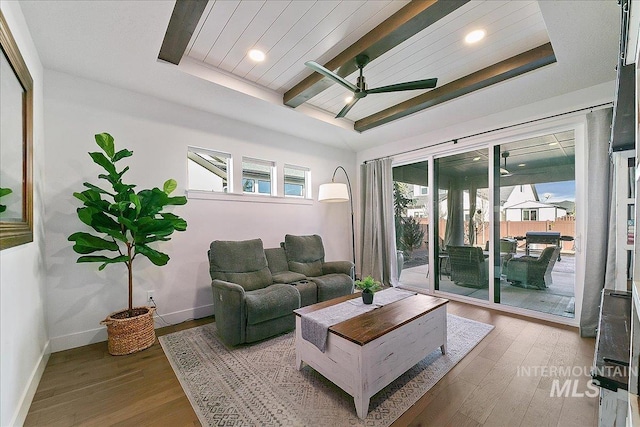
(368, 326)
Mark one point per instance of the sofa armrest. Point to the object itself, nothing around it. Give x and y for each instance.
(230, 311)
(344, 267)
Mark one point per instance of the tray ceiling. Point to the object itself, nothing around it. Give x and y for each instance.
(292, 32)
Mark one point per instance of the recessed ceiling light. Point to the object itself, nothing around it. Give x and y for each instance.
(474, 36)
(475, 159)
(348, 99)
(522, 165)
(256, 55)
(552, 144)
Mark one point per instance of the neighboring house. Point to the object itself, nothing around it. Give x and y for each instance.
(533, 211)
(523, 204)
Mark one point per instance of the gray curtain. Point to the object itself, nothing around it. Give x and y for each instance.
(378, 234)
(598, 203)
(454, 229)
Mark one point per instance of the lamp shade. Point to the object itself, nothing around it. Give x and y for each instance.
(333, 192)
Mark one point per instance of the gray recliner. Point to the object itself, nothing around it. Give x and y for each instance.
(305, 255)
(248, 306)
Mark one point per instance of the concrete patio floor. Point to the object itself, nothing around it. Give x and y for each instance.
(558, 299)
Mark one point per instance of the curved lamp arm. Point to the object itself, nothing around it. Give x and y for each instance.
(334, 192)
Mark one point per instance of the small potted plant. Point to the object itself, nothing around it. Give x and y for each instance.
(368, 285)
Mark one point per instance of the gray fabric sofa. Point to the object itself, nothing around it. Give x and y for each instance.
(255, 290)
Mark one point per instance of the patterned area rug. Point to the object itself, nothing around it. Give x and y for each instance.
(258, 385)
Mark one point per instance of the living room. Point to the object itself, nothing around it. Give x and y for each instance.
(95, 69)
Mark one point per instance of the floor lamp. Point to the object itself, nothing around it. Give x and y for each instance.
(335, 192)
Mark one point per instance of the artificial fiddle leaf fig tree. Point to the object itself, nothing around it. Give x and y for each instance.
(125, 222)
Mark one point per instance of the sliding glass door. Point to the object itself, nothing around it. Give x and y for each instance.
(497, 223)
(537, 224)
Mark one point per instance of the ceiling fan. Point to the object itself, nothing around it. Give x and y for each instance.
(360, 88)
(503, 170)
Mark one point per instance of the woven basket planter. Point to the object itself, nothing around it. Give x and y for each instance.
(130, 334)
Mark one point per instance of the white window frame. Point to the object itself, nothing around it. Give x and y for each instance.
(306, 189)
(193, 155)
(272, 177)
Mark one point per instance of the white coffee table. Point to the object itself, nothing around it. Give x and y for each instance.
(366, 353)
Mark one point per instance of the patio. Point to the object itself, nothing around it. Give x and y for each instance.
(558, 299)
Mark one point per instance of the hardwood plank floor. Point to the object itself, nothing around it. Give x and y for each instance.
(87, 386)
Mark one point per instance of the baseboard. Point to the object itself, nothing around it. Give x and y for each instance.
(20, 416)
(91, 336)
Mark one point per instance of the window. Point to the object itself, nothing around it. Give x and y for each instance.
(257, 176)
(529, 214)
(296, 181)
(209, 170)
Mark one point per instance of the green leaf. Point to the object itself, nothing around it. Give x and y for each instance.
(88, 195)
(169, 186)
(156, 257)
(96, 188)
(136, 201)
(105, 141)
(101, 160)
(178, 223)
(86, 243)
(128, 224)
(121, 155)
(103, 259)
(2, 208)
(152, 201)
(5, 191)
(178, 200)
(86, 215)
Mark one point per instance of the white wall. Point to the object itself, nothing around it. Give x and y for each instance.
(158, 132)
(24, 343)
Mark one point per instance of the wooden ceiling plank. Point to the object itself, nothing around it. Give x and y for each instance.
(504, 70)
(408, 21)
(184, 19)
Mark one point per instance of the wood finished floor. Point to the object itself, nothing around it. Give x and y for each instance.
(87, 386)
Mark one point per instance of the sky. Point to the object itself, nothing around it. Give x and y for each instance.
(557, 191)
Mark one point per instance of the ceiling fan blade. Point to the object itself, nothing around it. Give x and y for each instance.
(331, 75)
(418, 84)
(347, 107)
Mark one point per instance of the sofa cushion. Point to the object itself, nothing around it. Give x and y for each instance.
(332, 286)
(287, 277)
(305, 254)
(277, 260)
(304, 248)
(241, 262)
(309, 269)
(271, 302)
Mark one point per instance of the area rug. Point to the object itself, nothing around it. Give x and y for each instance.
(258, 385)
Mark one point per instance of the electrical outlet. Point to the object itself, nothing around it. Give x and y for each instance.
(150, 297)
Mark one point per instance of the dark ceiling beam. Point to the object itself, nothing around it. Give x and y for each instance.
(405, 23)
(183, 22)
(509, 68)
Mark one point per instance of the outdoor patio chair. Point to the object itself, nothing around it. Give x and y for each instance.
(533, 272)
(468, 266)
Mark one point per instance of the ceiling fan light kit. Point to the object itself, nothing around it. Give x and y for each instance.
(360, 89)
(504, 171)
